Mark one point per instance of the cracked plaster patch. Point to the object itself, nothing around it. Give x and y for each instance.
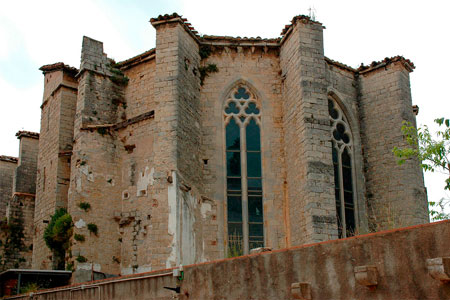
(172, 226)
(80, 224)
(89, 266)
(205, 208)
(145, 179)
(84, 169)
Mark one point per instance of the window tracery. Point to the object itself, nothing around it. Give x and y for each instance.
(242, 117)
(342, 153)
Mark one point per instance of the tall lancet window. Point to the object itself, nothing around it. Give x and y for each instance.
(242, 118)
(342, 152)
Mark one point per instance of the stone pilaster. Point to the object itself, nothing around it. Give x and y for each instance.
(310, 193)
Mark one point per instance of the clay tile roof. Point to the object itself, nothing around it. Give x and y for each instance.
(178, 17)
(23, 133)
(210, 38)
(9, 158)
(58, 66)
(166, 17)
(339, 65)
(301, 18)
(388, 60)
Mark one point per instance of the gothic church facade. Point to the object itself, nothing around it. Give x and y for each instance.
(209, 146)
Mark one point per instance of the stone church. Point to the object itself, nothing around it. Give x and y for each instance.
(206, 147)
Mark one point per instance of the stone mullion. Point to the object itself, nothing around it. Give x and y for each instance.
(341, 194)
(244, 182)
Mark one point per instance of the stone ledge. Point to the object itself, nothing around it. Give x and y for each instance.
(120, 125)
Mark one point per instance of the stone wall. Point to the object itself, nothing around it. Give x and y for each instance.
(142, 142)
(95, 177)
(343, 90)
(256, 67)
(7, 166)
(140, 210)
(395, 194)
(16, 233)
(55, 150)
(25, 173)
(20, 224)
(311, 204)
(386, 265)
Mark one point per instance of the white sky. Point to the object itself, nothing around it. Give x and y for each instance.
(35, 33)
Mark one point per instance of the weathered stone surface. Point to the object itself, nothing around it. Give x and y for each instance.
(319, 271)
(143, 142)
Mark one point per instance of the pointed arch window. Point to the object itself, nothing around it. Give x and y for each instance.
(342, 153)
(242, 119)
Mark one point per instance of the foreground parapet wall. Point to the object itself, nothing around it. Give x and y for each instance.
(392, 264)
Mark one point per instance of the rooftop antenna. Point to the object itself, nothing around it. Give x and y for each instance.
(312, 13)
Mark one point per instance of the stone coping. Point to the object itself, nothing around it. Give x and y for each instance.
(57, 67)
(22, 133)
(10, 159)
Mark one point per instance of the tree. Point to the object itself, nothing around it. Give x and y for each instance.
(433, 151)
(57, 236)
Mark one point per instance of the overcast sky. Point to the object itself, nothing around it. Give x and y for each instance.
(35, 33)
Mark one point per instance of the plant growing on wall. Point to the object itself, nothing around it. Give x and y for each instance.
(81, 259)
(69, 266)
(92, 228)
(205, 71)
(235, 245)
(57, 236)
(204, 51)
(433, 151)
(79, 237)
(84, 206)
(117, 75)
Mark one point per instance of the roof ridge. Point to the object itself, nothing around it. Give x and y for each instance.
(386, 61)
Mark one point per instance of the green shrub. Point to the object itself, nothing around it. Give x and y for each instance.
(204, 71)
(29, 287)
(69, 267)
(59, 230)
(79, 237)
(84, 206)
(57, 236)
(81, 259)
(92, 228)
